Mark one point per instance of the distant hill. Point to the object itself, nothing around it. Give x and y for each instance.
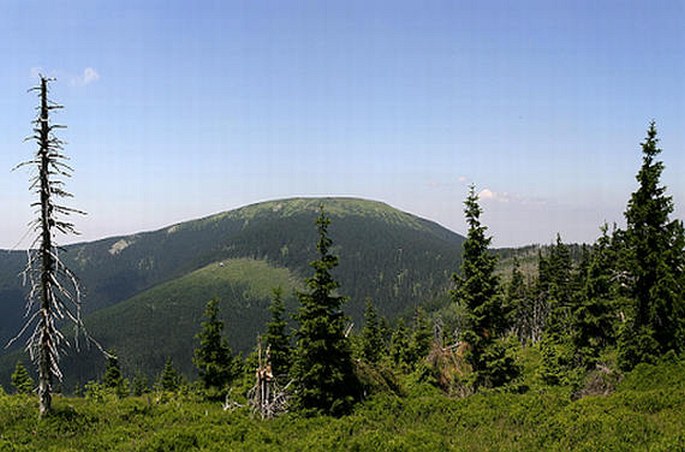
(397, 259)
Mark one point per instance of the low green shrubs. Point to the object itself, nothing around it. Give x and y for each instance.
(645, 412)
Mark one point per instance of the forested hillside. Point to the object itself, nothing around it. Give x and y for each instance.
(395, 258)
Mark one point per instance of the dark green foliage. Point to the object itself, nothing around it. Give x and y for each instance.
(596, 314)
(113, 378)
(373, 346)
(525, 307)
(276, 337)
(400, 347)
(655, 261)
(21, 380)
(558, 366)
(644, 413)
(422, 336)
(213, 358)
(169, 379)
(410, 345)
(140, 384)
(556, 273)
(477, 289)
(323, 368)
(557, 281)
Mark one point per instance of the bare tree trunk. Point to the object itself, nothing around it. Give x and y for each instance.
(47, 267)
(54, 294)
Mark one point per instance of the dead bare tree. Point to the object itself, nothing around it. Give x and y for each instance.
(266, 398)
(54, 292)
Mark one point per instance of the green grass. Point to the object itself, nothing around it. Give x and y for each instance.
(646, 412)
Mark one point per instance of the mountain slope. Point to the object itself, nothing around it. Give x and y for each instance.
(162, 322)
(394, 257)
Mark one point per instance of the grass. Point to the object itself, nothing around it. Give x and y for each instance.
(646, 412)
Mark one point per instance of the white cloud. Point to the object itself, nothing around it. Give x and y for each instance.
(504, 197)
(89, 76)
(486, 193)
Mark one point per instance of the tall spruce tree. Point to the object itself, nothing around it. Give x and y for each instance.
(477, 289)
(323, 367)
(213, 358)
(655, 261)
(276, 337)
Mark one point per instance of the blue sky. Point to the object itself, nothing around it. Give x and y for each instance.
(180, 109)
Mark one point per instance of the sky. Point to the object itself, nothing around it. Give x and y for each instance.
(177, 110)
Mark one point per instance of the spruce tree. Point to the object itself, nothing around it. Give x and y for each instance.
(169, 379)
(558, 290)
(399, 350)
(655, 261)
(556, 347)
(477, 289)
(276, 336)
(515, 305)
(21, 380)
(372, 343)
(113, 378)
(139, 384)
(323, 367)
(422, 336)
(595, 315)
(213, 358)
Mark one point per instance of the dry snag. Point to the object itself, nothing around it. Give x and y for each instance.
(54, 292)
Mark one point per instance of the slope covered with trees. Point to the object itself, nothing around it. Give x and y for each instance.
(395, 258)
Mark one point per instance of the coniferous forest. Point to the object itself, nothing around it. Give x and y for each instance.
(562, 346)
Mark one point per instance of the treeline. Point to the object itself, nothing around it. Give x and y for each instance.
(622, 303)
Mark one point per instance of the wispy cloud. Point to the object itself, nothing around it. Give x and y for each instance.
(88, 76)
(487, 194)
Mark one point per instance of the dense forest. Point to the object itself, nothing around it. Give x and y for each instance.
(568, 347)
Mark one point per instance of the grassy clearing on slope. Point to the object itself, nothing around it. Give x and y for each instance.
(163, 321)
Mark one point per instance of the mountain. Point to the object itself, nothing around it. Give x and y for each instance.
(396, 258)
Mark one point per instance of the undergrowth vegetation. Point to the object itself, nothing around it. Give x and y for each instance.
(644, 412)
